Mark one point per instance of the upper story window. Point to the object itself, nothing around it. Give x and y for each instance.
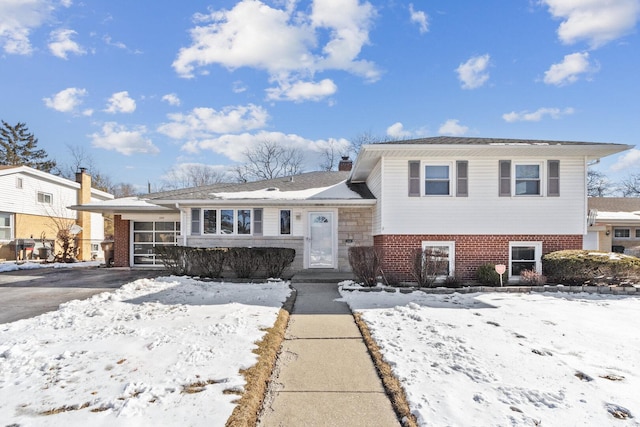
(19, 182)
(6, 228)
(528, 178)
(45, 198)
(436, 180)
(445, 179)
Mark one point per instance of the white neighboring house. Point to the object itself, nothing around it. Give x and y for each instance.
(615, 225)
(34, 204)
(471, 200)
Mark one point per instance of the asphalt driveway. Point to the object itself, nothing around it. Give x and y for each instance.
(28, 293)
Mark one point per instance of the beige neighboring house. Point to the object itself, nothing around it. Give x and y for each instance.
(33, 206)
(616, 225)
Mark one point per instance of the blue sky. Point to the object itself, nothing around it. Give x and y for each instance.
(149, 87)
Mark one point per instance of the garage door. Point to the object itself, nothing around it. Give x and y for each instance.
(149, 234)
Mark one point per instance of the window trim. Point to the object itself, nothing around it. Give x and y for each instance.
(424, 179)
(537, 256)
(280, 233)
(19, 183)
(218, 213)
(44, 196)
(10, 226)
(452, 254)
(627, 229)
(540, 178)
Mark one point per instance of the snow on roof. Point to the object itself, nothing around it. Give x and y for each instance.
(619, 216)
(337, 191)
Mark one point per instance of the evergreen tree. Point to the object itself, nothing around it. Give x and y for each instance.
(18, 147)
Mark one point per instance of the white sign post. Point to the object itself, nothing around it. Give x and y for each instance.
(500, 269)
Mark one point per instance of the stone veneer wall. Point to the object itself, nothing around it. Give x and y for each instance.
(355, 228)
(471, 250)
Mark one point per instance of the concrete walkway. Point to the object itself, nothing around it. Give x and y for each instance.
(324, 375)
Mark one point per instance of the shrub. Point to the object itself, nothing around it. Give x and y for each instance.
(532, 278)
(487, 275)
(428, 265)
(244, 261)
(174, 259)
(276, 260)
(207, 262)
(365, 263)
(577, 267)
(452, 282)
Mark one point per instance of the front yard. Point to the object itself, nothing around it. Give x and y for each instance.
(498, 359)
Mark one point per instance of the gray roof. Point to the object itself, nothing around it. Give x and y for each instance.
(299, 182)
(455, 140)
(615, 204)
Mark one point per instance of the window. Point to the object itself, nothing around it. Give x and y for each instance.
(553, 178)
(244, 221)
(6, 228)
(621, 233)
(414, 178)
(436, 180)
(209, 221)
(18, 182)
(444, 254)
(637, 233)
(527, 180)
(524, 256)
(462, 178)
(285, 221)
(257, 222)
(195, 221)
(45, 198)
(227, 218)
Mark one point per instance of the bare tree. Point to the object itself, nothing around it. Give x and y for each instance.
(192, 175)
(81, 159)
(363, 139)
(598, 185)
(330, 156)
(631, 186)
(269, 160)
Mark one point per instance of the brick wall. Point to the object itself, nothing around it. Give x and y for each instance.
(471, 250)
(121, 235)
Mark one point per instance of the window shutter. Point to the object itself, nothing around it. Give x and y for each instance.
(505, 178)
(462, 178)
(414, 178)
(257, 222)
(195, 221)
(553, 178)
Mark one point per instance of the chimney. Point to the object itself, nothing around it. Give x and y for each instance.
(84, 218)
(345, 164)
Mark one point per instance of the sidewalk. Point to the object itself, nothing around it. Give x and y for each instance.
(324, 375)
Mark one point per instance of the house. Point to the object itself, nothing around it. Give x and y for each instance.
(34, 205)
(615, 226)
(473, 200)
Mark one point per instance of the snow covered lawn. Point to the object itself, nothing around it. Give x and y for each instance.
(162, 352)
(501, 359)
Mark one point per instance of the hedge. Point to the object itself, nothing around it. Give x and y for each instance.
(577, 267)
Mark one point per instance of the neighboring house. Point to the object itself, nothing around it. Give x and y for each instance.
(616, 224)
(34, 205)
(474, 200)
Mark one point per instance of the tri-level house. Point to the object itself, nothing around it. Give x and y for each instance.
(475, 200)
(34, 206)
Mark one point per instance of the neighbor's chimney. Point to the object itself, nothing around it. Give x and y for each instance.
(345, 164)
(84, 218)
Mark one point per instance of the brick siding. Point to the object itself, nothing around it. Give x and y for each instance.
(121, 236)
(471, 250)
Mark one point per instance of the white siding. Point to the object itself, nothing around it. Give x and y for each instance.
(483, 212)
(374, 182)
(25, 200)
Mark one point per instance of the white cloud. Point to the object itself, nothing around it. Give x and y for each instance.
(596, 21)
(536, 116)
(302, 91)
(17, 19)
(61, 44)
(420, 18)
(203, 123)
(569, 70)
(629, 160)
(67, 100)
(284, 42)
(120, 102)
(239, 87)
(125, 141)
(171, 99)
(398, 131)
(452, 127)
(473, 73)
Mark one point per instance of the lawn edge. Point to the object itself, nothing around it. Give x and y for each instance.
(258, 376)
(391, 384)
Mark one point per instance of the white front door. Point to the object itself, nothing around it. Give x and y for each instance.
(321, 237)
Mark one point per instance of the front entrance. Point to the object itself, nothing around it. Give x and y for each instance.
(321, 240)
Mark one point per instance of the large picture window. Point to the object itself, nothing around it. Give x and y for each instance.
(225, 221)
(436, 180)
